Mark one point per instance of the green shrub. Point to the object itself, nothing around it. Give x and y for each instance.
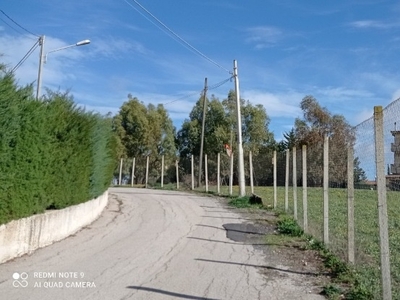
(52, 153)
(289, 226)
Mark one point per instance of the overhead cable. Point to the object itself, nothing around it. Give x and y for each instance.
(25, 56)
(217, 85)
(176, 36)
(184, 97)
(212, 87)
(9, 26)
(23, 28)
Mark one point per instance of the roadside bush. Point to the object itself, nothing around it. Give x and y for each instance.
(52, 153)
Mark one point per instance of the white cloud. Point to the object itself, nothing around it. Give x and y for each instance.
(113, 48)
(263, 36)
(364, 24)
(276, 105)
(344, 94)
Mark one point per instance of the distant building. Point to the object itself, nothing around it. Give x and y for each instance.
(395, 148)
(393, 178)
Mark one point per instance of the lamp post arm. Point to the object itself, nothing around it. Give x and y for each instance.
(81, 43)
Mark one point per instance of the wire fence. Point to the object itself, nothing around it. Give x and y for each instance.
(339, 190)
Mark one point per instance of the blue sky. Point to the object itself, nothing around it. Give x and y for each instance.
(344, 53)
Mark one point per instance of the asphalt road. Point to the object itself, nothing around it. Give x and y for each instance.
(149, 244)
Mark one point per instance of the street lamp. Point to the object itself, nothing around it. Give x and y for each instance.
(43, 58)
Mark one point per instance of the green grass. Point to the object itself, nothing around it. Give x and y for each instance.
(367, 253)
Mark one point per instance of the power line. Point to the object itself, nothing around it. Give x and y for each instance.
(23, 28)
(217, 85)
(184, 97)
(9, 26)
(25, 57)
(180, 39)
(200, 92)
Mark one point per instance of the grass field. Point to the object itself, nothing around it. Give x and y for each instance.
(367, 253)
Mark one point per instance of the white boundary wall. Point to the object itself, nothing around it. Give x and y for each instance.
(24, 236)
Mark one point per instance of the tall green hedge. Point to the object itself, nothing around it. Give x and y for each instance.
(53, 154)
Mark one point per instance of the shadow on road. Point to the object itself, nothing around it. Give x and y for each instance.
(232, 243)
(177, 295)
(233, 218)
(225, 228)
(263, 267)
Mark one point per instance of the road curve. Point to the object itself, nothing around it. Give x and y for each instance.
(149, 244)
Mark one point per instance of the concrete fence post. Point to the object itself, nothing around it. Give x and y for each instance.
(218, 172)
(120, 172)
(294, 179)
(305, 200)
(287, 180)
(177, 174)
(382, 205)
(192, 170)
(162, 171)
(326, 189)
(147, 171)
(275, 181)
(133, 173)
(251, 172)
(231, 176)
(206, 171)
(350, 204)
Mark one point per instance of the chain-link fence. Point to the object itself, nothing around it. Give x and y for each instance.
(331, 191)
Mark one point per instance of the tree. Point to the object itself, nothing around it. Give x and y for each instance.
(144, 131)
(220, 128)
(359, 174)
(216, 131)
(316, 123)
(287, 143)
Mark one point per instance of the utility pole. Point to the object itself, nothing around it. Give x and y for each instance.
(202, 129)
(39, 80)
(242, 191)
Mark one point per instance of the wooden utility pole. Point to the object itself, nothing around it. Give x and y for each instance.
(203, 124)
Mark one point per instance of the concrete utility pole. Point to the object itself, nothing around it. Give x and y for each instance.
(202, 129)
(39, 80)
(242, 191)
